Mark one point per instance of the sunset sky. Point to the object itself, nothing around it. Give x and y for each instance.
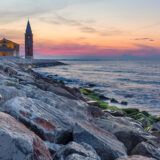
(84, 27)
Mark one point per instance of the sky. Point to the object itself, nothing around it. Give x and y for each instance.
(84, 27)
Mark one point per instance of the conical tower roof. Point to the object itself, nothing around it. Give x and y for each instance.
(28, 29)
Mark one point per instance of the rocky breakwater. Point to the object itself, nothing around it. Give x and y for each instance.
(53, 121)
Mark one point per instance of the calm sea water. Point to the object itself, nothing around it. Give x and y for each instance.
(137, 82)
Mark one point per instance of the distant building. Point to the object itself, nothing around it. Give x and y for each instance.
(8, 48)
(28, 42)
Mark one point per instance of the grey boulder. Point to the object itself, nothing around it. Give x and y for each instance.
(147, 149)
(76, 151)
(46, 121)
(127, 130)
(105, 144)
(17, 142)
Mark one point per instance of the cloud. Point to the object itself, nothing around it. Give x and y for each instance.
(85, 26)
(88, 29)
(67, 48)
(143, 39)
(11, 34)
(12, 10)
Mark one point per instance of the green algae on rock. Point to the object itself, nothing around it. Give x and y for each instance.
(128, 112)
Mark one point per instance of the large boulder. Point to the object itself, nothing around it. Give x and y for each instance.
(76, 109)
(135, 157)
(74, 151)
(105, 144)
(147, 149)
(127, 130)
(17, 142)
(46, 121)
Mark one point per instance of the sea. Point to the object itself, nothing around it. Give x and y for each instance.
(134, 81)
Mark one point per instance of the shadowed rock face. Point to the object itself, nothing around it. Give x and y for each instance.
(155, 130)
(74, 150)
(102, 141)
(127, 130)
(147, 149)
(17, 142)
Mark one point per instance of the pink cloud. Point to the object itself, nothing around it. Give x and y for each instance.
(92, 50)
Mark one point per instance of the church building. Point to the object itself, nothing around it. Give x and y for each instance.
(9, 48)
(28, 42)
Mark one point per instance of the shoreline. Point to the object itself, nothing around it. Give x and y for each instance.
(95, 98)
(90, 86)
(35, 63)
(70, 120)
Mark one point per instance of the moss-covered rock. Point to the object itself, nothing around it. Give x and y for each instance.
(128, 112)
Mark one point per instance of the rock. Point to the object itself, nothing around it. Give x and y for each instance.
(76, 109)
(0, 97)
(53, 147)
(101, 140)
(129, 96)
(145, 122)
(74, 149)
(147, 150)
(94, 112)
(77, 157)
(91, 85)
(8, 92)
(135, 157)
(113, 100)
(102, 97)
(155, 130)
(46, 121)
(92, 103)
(115, 113)
(124, 103)
(10, 71)
(127, 130)
(17, 142)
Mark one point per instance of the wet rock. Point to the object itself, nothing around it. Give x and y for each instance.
(93, 103)
(46, 121)
(102, 97)
(129, 96)
(147, 149)
(113, 100)
(135, 157)
(115, 113)
(101, 140)
(127, 130)
(124, 103)
(17, 142)
(75, 150)
(91, 85)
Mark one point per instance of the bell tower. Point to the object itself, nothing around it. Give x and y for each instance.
(28, 42)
